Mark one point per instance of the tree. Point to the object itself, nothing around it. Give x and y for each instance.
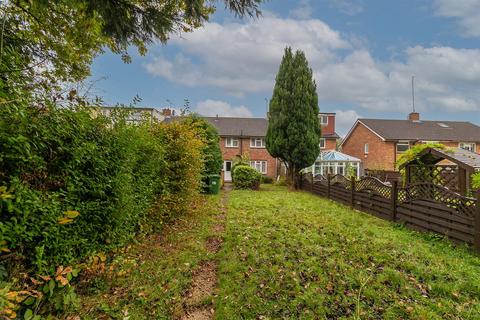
(293, 133)
(45, 41)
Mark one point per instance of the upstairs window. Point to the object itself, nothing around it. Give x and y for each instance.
(257, 142)
(470, 146)
(365, 148)
(323, 120)
(403, 146)
(322, 143)
(231, 142)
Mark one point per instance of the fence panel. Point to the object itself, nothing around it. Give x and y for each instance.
(421, 206)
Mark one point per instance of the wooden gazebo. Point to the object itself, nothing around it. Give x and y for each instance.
(451, 168)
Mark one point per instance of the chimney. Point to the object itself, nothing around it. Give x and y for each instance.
(167, 112)
(414, 116)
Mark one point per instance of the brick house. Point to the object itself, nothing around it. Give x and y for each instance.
(244, 136)
(329, 138)
(379, 142)
(240, 136)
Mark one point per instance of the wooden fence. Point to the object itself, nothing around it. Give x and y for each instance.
(420, 206)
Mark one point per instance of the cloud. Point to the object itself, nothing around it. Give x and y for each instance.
(212, 108)
(349, 7)
(241, 59)
(344, 120)
(244, 58)
(466, 11)
(303, 11)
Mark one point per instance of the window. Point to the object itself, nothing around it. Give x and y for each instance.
(322, 143)
(323, 120)
(260, 166)
(231, 142)
(470, 146)
(366, 148)
(403, 146)
(257, 142)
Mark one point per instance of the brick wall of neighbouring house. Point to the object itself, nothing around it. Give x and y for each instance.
(381, 155)
(255, 154)
(330, 127)
(330, 144)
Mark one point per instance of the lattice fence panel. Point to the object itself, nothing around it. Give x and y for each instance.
(374, 185)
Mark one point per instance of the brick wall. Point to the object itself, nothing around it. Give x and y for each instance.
(255, 154)
(381, 154)
(330, 127)
(330, 144)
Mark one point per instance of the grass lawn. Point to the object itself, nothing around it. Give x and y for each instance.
(294, 255)
(289, 255)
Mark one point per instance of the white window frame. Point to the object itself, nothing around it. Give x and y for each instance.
(323, 143)
(402, 143)
(231, 142)
(365, 148)
(323, 116)
(472, 146)
(254, 142)
(260, 166)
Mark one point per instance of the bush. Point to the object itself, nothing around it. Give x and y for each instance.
(476, 181)
(74, 184)
(246, 177)
(267, 180)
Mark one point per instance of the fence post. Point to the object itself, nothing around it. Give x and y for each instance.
(394, 199)
(352, 196)
(476, 240)
(328, 185)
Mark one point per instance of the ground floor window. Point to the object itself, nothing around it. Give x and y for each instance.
(260, 166)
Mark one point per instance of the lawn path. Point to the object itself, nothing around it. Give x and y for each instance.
(205, 278)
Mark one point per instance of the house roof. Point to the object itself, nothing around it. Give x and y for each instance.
(423, 130)
(249, 127)
(463, 158)
(229, 126)
(336, 156)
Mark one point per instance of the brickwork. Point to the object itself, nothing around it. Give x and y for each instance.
(381, 154)
(255, 154)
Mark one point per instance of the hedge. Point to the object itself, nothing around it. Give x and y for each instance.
(73, 182)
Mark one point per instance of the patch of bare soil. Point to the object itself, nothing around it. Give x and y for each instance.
(214, 244)
(198, 314)
(218, 228)
(203, 283)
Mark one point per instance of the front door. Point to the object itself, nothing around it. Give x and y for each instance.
(227, 170)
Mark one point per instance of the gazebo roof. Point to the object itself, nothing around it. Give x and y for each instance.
(468, 160)
(336, 156)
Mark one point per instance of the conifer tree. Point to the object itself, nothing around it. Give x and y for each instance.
(293, 133)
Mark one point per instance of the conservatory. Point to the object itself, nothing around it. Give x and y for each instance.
(335, 162)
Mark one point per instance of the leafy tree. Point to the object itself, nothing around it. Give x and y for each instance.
(42, 41)
(293, 133)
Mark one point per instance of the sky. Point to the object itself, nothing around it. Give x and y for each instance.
(363, 54)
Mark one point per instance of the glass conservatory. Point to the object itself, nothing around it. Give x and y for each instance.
(335, 162)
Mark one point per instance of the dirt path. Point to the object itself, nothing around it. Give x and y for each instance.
(198, 298)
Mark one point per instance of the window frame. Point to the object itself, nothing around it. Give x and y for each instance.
(321, 117)
(254, 140)
(232, 144)
(366, 148)
(402, 143)
(461, 145)
(261, 163)
(324, 143)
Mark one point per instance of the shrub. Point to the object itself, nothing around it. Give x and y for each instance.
(266, 179)
(246, 177)
(74, 184)
(476, 181)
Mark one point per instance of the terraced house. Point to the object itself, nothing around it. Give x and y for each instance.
(246, 136)
(379, 142)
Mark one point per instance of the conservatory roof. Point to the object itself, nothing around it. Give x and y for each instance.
(336, 156)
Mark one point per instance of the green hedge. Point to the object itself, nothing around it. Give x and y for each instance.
(74, 183)
(246, 177)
